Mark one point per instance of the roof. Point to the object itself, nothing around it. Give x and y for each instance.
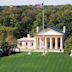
(26, 39)
(51, 31)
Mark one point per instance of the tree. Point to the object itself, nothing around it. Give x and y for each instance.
(38, 22)
(68, 43)
(6, 48)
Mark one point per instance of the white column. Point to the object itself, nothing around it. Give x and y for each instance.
(40, 43)
(34, 43)
(51, 43)
(61, 43)
(45, 43)
(29, 43)
(56, 43)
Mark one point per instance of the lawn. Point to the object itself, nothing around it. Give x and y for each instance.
(51, 62)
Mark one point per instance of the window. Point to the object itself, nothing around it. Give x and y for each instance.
(26, 44)
(32, 44)
(20, 43)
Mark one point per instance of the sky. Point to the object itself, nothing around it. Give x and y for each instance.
(33, 2)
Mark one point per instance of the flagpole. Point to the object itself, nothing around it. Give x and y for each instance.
(43, 28)
(43, 17)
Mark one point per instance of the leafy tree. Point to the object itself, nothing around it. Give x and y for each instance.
(6, 48)
(68, 43)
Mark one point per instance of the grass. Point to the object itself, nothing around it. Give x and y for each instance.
(51, 62)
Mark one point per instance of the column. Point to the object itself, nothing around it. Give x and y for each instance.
(40, 43)
(34, 43)
(56, 43)
(51, 43)
(45, 43)
(61, 43)
(37, 46)
(29, 45)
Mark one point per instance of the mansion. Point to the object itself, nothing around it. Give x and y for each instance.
(49, 40)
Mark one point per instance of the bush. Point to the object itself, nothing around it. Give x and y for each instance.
(6, 48)
(68, 44)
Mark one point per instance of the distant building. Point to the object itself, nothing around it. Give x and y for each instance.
(38, 5)
(11, 6)
(51, 40)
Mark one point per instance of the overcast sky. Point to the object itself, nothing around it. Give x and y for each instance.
(33, 2)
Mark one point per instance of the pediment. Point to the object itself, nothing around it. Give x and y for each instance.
(50, 32)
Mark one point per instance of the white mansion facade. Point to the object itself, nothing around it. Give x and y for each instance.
(49, 40)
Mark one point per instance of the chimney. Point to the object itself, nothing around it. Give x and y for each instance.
(64, 29)
(37, 29)
(28, 35)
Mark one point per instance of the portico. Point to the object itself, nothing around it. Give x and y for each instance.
(50, 42)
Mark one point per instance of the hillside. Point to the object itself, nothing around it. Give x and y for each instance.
(51, 62)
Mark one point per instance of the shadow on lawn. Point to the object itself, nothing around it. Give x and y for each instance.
(4, 54)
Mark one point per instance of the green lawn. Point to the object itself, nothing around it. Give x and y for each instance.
(51, 62)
